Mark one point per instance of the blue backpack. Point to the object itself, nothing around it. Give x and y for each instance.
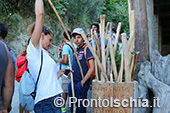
(26, 86)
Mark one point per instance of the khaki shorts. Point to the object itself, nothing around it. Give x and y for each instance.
(65, 81)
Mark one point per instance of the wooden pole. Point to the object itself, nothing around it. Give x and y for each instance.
(102, 33)
(96, 68)
(135, 65)
(98, 45)
(108, 67)
(141, 29)
(95, 56)
(121, 68)
(107, 26)
(126, 56)
(131, 43)
(114, 68)
(107, 52)
(108, 48)
(117, 37)
(68, 37)
(72, 85)
(98, 51)
(131, 64)
(92, 34)
(129, 10)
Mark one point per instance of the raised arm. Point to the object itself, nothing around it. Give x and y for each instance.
(8, 86)
(39, 13)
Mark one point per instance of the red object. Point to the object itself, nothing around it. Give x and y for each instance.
(22, 65)
(61, 49)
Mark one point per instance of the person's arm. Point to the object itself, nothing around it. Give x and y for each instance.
(39, 13)
(14, 71)
(89, 72)
(61, 72)
(8, 86)
(64, 60)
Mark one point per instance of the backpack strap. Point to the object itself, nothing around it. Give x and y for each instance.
(8, 48)
(22, 74)
(70, 47)
(85, 52)
(33, 94)
(39, 70)
(22, 63)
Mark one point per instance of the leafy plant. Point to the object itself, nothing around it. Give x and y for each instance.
(117, 11)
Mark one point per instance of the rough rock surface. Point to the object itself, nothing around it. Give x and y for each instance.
(155, 76)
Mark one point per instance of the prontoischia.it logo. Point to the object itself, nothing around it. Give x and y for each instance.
(102, 103)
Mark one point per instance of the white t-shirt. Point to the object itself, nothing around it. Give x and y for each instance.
(48, 84)
(113, 38)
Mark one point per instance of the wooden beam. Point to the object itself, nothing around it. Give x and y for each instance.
(141, 29)
(126, 56)
(72, 84)
(102, 36)
(135, 65)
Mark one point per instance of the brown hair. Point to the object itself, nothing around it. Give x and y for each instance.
(24, 50)
(31, 29)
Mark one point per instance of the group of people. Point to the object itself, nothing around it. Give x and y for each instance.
(48, 87)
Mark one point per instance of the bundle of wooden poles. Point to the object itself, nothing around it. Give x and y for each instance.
(128, 57)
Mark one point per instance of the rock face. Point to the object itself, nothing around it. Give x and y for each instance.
(17, 44)
(155, 76)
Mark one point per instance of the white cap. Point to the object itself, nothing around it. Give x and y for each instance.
(77, 31)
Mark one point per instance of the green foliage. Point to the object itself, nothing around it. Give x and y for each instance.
(118, 58)
(18, 14)
(81, 13)
(117, 11)
(9, 16)
(14, 12)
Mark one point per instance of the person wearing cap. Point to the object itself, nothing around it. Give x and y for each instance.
(81, 86)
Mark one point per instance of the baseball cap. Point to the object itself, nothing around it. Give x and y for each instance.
(77, 31)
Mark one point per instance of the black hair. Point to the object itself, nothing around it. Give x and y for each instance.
(95, 24)
(114, 28)
(74, 34)
(88, 35)
(28, 41)
(3, 30)
(65, 35)
(46, 31)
